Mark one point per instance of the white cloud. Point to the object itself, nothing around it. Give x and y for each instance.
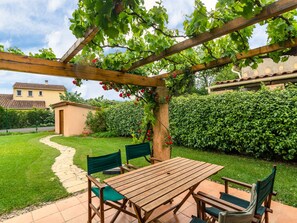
(210, 4)
(53, 5)
(60, 41)
(149, 4)
(6, 44)
(259, 37)
(92, 89)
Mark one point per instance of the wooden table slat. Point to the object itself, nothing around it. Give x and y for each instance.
(153, 173)
(145, 198)
(152, 187)
(161, 200)
(142, 170)
(154, 177)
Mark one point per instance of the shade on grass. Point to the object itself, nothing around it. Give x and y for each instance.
(241, 168)
(26, 177)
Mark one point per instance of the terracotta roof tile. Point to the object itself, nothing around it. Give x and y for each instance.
(6, 101)
(39, 86)
(255, 77)
(27, 104)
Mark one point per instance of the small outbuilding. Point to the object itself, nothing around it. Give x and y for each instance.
(70, 117)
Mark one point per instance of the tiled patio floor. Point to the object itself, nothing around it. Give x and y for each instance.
(74, 210)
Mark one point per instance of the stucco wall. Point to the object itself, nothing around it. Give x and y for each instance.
(74, 119)
(50, 97)
(269, 67)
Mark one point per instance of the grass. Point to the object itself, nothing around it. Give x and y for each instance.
(26, 177)
(241, 168)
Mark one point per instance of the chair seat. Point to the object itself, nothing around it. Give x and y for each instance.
(109, 194)
(234, 200)
(196, 220)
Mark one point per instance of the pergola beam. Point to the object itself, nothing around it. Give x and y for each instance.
(79, 44)
(240, 56)
(27, 64)
(269, 11)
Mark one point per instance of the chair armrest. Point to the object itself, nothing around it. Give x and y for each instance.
(96, 182)
(127, 168)
(203, 198)
(216, 202)
(156, 159)
(227, 180)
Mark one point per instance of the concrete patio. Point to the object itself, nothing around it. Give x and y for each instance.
(74, 210)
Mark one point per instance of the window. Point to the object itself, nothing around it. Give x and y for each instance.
(19, 93)
(40, 93)
(30, 93)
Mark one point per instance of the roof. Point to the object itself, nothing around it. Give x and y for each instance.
(65, 103)
(260, 78)
(39, 86)
(6, 101)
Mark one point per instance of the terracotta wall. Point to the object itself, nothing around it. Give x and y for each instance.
(74, 119)
(269, 67)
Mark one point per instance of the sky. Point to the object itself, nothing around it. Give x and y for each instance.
(35, 24)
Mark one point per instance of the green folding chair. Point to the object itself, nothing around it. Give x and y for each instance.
(139, 150)
(246, 216)
(263, 201)
(106, 195)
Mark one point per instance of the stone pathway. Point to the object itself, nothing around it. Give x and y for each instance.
(73, 178)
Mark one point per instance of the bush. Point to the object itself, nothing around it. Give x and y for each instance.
(96, 122)
(261, 124)
(20, 119)
(123, 119)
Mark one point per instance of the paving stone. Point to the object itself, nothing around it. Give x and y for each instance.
(71, 177)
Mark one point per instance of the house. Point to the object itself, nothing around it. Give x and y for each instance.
(27, 96)
(273, 75)
(70, 117)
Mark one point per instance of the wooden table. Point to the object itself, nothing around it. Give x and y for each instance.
(150, 187)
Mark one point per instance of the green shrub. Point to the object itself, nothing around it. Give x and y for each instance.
(10, 118)
(261, 124)
(123, 119)
(96, 122)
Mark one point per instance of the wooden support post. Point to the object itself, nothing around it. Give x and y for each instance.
(161, 127)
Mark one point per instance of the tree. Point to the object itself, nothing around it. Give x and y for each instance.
(73, 97)
(101, 102)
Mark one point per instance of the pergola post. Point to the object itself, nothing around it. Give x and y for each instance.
(161, 126)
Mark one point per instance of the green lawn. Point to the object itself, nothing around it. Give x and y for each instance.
(26, 177)
(241, 168)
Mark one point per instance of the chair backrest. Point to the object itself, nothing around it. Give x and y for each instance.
(106, 162)
(265, 188)
(245, 216)
(137, 150)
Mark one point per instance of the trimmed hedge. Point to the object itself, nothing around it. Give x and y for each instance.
(10, 119)
(261, 124)
(123, 119)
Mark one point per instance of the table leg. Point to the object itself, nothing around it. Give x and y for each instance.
(138, 214)
(191, 190)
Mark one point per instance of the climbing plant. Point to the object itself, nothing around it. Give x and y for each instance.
(128, 32)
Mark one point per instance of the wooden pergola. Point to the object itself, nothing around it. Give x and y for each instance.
(62, 68)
